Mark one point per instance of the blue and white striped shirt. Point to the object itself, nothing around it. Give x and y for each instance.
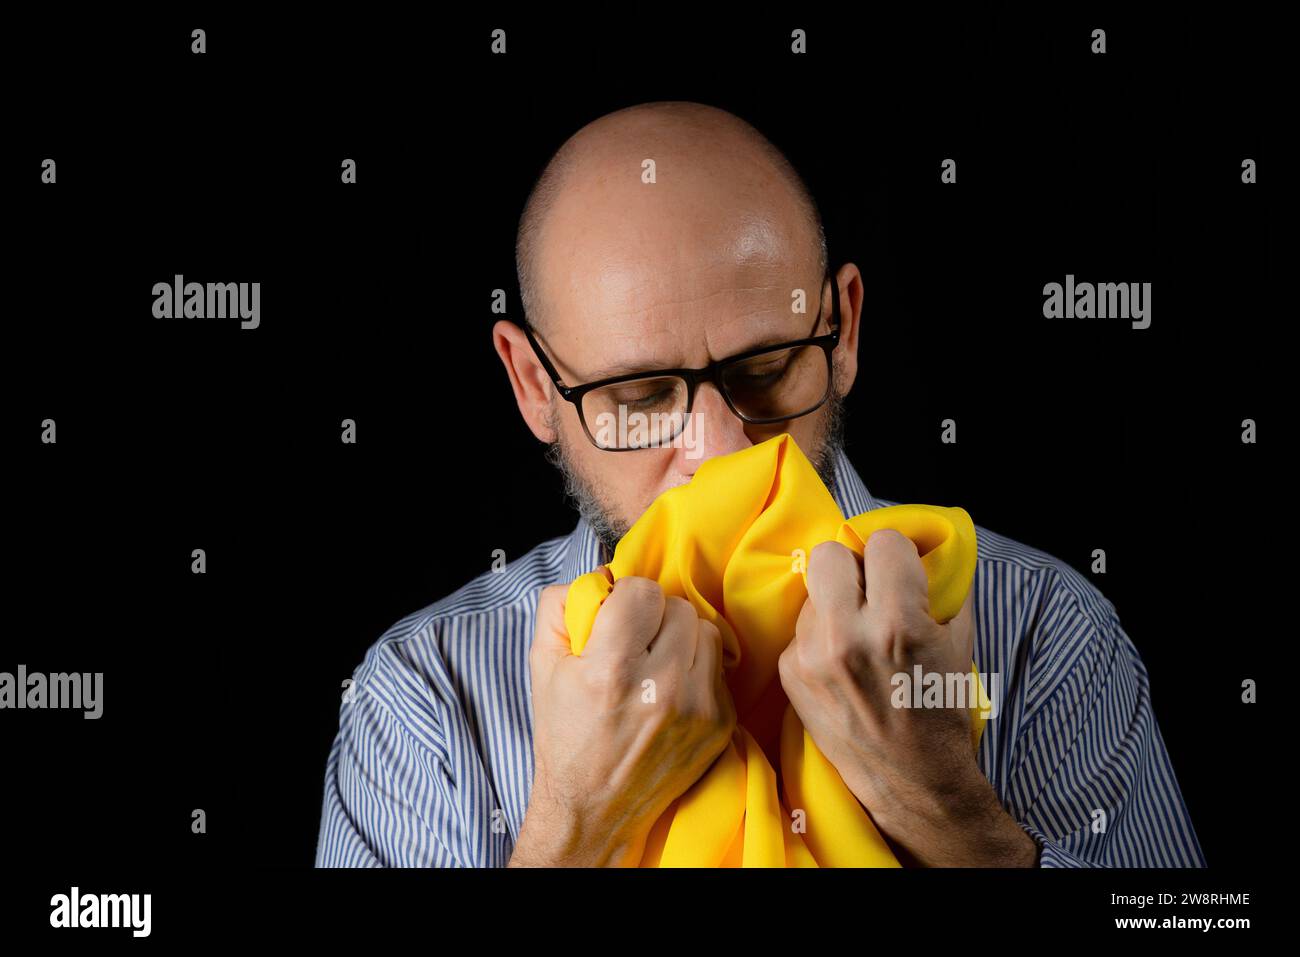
(433, 763)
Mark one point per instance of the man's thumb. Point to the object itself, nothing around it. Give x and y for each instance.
(550, 637)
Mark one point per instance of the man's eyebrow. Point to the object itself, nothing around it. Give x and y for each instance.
(624, 368)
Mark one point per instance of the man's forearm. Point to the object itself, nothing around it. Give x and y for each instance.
(980, 834)
(550, 837)
(965, 826)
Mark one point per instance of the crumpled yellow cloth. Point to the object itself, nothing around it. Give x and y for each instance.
(734, 542)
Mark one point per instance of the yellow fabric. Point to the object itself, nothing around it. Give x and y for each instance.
(734, 542)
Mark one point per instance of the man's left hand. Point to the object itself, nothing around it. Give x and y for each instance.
(913, 769)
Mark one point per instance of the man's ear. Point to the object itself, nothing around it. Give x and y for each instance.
(848, 286)
(532, 385)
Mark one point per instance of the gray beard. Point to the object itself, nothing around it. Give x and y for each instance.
(592, 504)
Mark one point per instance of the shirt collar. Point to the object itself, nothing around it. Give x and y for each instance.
(584, 553)
(850, 493)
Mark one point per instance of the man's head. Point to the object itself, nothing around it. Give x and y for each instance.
(668, 235)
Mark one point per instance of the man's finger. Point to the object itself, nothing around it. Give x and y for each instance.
(550, 637)
(628, 620)
(708, 651)
(895, 576)
(962, 626)
(834, 580)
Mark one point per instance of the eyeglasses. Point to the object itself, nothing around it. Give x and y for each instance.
(641, 410)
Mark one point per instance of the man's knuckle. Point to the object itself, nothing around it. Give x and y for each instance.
(886, 538)
(895, 624)
(825, 555)
(603, 681)
(638, 588)
(787, 666)
(678, 606)
(839, 635)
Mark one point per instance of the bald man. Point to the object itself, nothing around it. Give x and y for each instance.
(679, 305)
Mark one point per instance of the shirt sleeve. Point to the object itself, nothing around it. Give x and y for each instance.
(1093, 784)
(389, 799)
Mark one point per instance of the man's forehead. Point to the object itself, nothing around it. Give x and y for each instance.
(711, 255)
(638, 269)
(628, 325)
(661, 294)
(611, 236)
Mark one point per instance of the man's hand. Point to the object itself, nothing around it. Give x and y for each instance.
(611, 751)
(913, 769)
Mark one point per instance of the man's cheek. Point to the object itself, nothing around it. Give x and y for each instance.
(630, 503)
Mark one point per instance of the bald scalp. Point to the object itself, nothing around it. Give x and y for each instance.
(679, 122)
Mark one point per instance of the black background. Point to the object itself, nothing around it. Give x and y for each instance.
(222, 690)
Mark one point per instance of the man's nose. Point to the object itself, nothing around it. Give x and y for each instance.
(713, 429)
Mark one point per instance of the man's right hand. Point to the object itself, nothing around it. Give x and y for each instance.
(621, 731)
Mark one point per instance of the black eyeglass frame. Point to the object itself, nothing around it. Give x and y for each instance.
(709, 373)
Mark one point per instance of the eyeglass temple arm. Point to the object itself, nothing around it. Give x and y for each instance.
(834, 320)
(543, 359)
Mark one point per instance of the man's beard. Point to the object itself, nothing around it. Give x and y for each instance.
(593, 505)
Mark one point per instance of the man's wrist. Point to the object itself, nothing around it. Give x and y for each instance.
(548, 838)
(996, 840)
(962, 826)
(556, 836)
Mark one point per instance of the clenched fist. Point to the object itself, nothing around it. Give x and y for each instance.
(623, 730)
(913, 769)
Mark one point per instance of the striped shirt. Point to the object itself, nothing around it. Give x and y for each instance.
(433, 763)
